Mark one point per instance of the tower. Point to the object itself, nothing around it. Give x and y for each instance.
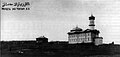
(91, 24)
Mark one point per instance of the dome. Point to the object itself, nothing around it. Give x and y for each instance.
(91, 17)
(77, 28)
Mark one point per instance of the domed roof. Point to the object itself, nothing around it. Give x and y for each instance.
(77, 28)
(91, 17)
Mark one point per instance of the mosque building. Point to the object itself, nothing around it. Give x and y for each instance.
(91, 35)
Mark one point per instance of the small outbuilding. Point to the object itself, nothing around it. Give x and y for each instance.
(42, 39)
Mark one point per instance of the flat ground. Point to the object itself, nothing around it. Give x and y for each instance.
(34, 55)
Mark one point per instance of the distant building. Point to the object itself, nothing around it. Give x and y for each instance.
(77, 35)
(42, 39)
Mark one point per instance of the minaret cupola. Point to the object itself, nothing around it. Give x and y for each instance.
(91, 24)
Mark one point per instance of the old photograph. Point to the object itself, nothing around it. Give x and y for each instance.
(60, 28)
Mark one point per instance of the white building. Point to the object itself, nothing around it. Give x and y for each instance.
(77, 35)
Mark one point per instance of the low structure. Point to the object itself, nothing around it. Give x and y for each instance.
(42, 39)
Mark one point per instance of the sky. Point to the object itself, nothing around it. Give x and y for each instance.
(55, 18)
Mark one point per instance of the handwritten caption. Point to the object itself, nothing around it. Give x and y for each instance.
(16, 6)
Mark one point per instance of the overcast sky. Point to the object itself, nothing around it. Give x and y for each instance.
(55, 18)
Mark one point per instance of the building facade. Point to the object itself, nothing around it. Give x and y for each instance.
(91, 35)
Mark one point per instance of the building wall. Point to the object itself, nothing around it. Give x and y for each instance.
(72, 38)
(80, 38)
(88, 37)
(98, 41)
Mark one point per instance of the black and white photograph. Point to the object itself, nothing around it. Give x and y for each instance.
(60, 28)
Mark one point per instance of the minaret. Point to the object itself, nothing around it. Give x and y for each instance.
(92, 25)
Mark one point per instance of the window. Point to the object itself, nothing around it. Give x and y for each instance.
(81, 34)
(72, 35)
